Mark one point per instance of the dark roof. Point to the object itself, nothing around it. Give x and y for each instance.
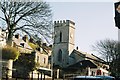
(80, 66)
(86, 56)
(76, 53)
(83, 63)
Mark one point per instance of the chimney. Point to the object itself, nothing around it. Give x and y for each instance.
(39, 42)
(50, 46)
(31, 40)
(40, 49)
(25, 38)
(17, 36)
(77, 48)
(44, 44)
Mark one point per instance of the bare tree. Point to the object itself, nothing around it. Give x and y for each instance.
(32, 18)
(110, 50)
(106, 48)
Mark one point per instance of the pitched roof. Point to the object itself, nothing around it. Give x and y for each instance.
(19, 41)
(81, 59)
(85, 56)
(83, 63)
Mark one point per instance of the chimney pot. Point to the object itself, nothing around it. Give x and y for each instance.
(25, 38)
(17, 36)
(77, 48)
(31, 40)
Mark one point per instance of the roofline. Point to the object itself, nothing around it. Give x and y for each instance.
(90, 58)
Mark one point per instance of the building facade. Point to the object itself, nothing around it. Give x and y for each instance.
(63, 42)
(2, 38)
(22, 44)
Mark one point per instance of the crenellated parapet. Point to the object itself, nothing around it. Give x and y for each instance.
(63, 23)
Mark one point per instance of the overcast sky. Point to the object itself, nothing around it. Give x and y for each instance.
(94, 21)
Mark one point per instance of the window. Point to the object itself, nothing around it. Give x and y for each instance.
(98, 72)
(22, 44)
(93, 73)
(44, 60)
(60, 55)
(60, 36)
(37, 58)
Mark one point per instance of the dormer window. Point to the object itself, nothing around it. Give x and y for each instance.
(22, 44)
(17, 36)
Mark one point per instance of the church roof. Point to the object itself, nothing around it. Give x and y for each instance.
(78, 56)
(81, 59)
(83, 63)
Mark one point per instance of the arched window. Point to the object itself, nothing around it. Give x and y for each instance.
(60, 55)
(60, 36)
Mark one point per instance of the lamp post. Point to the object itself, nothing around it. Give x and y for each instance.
(7, 73)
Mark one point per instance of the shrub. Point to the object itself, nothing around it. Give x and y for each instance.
(10, 53)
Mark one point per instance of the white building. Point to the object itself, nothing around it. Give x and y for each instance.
(71, 60)
(63, 42)
(2, 38)
(2, 44)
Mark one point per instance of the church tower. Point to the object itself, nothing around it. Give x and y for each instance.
(63, 42)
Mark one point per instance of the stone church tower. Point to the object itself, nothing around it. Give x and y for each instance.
(63, 42)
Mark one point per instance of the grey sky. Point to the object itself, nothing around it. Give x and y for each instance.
(94, 21)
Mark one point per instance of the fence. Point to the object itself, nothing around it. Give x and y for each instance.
(21, 76)
(66, 77)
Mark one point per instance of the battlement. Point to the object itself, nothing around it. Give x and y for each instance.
(63, 23)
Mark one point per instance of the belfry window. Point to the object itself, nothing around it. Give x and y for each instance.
(60, 36)
(60, 55)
